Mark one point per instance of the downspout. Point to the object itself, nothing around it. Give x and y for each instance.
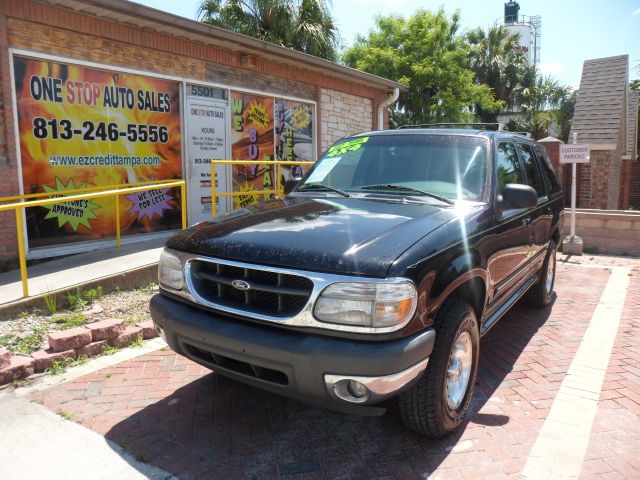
(393, 97)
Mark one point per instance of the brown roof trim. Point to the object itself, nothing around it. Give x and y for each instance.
(201, 32)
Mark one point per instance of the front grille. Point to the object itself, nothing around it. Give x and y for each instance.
(270, 293)
(237, 366)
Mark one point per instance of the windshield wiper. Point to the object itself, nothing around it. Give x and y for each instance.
(321, 186)
(387, 186)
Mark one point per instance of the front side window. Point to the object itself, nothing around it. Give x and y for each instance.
(450, 166)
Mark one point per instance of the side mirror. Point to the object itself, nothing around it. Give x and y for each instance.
(516, 195)
(290, 184)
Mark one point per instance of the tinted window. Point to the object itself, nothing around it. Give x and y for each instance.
(531, 169)
(508, 166)
(547, 170)
(454, 166)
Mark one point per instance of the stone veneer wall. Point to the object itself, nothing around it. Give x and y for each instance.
(615, 232)
(343, 114)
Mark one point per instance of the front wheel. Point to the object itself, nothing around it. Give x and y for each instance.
(438, 403)
(540, 294)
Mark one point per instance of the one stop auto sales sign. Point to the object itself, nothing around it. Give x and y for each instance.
(576, 153)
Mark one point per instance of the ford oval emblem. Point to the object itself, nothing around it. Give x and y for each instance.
(240, 285)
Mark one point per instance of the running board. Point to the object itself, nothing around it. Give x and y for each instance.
(499, 313)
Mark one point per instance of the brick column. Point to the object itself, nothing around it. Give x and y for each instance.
(8, 159)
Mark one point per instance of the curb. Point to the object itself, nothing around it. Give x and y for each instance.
(127, 280)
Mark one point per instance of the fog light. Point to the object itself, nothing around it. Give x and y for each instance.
(357, 389)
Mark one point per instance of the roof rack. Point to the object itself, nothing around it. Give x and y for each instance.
(479, 126)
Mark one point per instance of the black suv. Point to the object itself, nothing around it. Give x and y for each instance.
(374, 277)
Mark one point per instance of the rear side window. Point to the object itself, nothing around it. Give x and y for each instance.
(508, 166)
(529, 161)
(547, 170)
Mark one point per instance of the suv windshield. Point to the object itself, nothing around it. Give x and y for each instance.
(451, 167)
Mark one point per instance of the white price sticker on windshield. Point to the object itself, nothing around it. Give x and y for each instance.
(322, 170)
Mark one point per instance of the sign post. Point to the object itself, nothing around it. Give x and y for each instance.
(573, 154)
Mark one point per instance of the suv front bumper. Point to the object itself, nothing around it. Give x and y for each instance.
(309, 367)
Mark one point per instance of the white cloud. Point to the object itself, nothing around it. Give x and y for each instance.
(636, 11)
(552, 67)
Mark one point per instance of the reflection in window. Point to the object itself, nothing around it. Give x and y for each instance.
(508, 166)
(531, 170)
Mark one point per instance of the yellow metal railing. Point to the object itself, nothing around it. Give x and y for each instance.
(278, 190)
(34, 200)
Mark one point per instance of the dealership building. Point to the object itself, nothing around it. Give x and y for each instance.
(109, 92)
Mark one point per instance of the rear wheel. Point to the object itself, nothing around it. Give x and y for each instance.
(438, 403)
(540, 294)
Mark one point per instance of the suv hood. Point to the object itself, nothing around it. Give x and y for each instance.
(339, 235)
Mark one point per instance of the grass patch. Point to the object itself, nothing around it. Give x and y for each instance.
(7, 340)
(81, 298)
(30, 343)
(109, 350)
(151, 288)
(135, 318)
(108, 375)
(138, 342)
(64, 414)
(58, 367)
(51, 301)
(69, 320)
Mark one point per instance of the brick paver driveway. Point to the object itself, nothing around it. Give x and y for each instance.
(181, 417)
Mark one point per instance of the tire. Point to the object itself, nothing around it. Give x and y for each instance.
(426, 407)
(541, 293)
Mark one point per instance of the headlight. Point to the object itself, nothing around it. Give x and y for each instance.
(170, 271)
(366, 304)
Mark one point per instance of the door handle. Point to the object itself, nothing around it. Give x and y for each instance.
(526, 221)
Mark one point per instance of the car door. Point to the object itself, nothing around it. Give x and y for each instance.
(508, 244)
(540, 216)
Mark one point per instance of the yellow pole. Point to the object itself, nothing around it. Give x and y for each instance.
(117, 198)
(21, 253)
(214, 196)
(278, 186)
(182, 202)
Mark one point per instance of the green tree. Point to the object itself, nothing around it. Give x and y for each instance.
(498, 61)
(564, 113)
(542, 103)
(304, 25)
(426, 54)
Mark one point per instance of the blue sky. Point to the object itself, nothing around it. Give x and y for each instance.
(572, 30)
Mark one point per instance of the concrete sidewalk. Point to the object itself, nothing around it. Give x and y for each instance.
(80, 269)
(37, 443)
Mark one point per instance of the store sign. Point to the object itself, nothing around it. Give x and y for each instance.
(575, 153)
(207, 125)
(82, 127)
(294, 135)
(252, 136)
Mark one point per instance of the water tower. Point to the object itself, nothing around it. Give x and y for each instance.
(527, 27)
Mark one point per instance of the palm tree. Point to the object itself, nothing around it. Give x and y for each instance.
(545, 101)
(498, 61)
(304, 25)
